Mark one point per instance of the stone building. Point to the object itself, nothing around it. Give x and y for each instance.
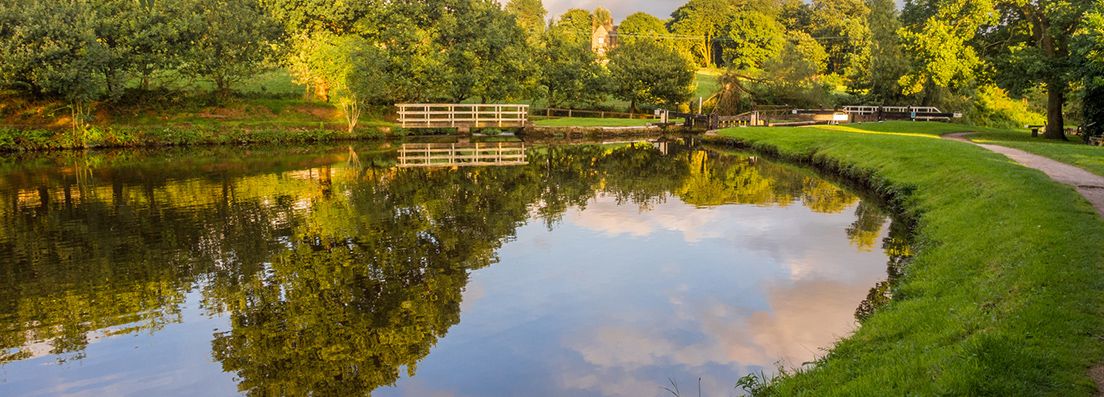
(603, 39)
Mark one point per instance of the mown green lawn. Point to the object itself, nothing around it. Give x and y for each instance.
(592, 122)
(1005, 295)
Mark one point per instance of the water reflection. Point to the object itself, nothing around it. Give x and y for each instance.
(330, 270)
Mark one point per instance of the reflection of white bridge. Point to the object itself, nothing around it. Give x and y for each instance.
(461, 154)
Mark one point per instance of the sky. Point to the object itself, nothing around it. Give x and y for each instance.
(620, 8)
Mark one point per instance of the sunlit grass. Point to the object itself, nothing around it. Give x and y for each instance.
(1006, 293)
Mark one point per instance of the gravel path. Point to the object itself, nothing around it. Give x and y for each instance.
(1088, 184)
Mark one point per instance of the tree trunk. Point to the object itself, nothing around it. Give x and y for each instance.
(1056, 99)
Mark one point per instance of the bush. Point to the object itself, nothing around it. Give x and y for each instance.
(994, 108)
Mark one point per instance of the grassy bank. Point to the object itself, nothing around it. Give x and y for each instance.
(1006, 293)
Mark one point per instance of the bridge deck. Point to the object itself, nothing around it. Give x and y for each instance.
(435, 115)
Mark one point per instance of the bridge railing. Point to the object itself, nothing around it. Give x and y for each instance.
(447, 115)
(863, 110)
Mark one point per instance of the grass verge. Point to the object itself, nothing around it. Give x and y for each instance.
(1006, 293)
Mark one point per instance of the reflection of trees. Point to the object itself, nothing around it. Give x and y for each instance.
(899, 251)
(334, 318)
(864, 232)
(716, 179)
(334, 268)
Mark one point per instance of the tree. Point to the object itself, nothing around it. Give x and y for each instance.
(646, 73)
(752, 37)
(530, 16)
(937, 45)
(486, 52)
(337, 17)
(1031, 45)
(791, 77)
(575, 26)
(355, 72)
(843, 24)
(603, 18)
(704, 20)
(886, 58)
(228, 40)
(571, 73)
(643, 27)
(53, 50)
(1090, 52)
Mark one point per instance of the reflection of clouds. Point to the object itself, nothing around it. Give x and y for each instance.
(473, 292)
(803, 318)
(604, 215)
(615, 301)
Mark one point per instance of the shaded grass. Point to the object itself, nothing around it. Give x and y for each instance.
(592, 122)
(1005, 295)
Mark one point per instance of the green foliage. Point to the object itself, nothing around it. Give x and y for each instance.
(54, 49)
(648, 74)
(939, 49)
(314, 16)
(846, 23)
(1089, 47)
(887, 58)
(356, 73)
(642, 26)
(755, 37)
(574, 27)
(994, 108)
(571, 74)
(704, 19)
(228, 40)
(530, 16)
(791, 77)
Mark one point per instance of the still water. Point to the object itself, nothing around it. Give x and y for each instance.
(559, 270)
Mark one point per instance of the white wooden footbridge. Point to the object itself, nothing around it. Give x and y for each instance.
(462, 116)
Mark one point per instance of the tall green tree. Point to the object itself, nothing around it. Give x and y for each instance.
(703, 20)
(575, 26)
(227, 40)
(356, 72)
(1090, 51)
(51, 48)
(647, 73)
(571, 74)
(937, 44)
(338, 17)
(642, 26)
(752, 37)
(843, 27)
(1030, 43)
(530, 15)
(887, 63)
